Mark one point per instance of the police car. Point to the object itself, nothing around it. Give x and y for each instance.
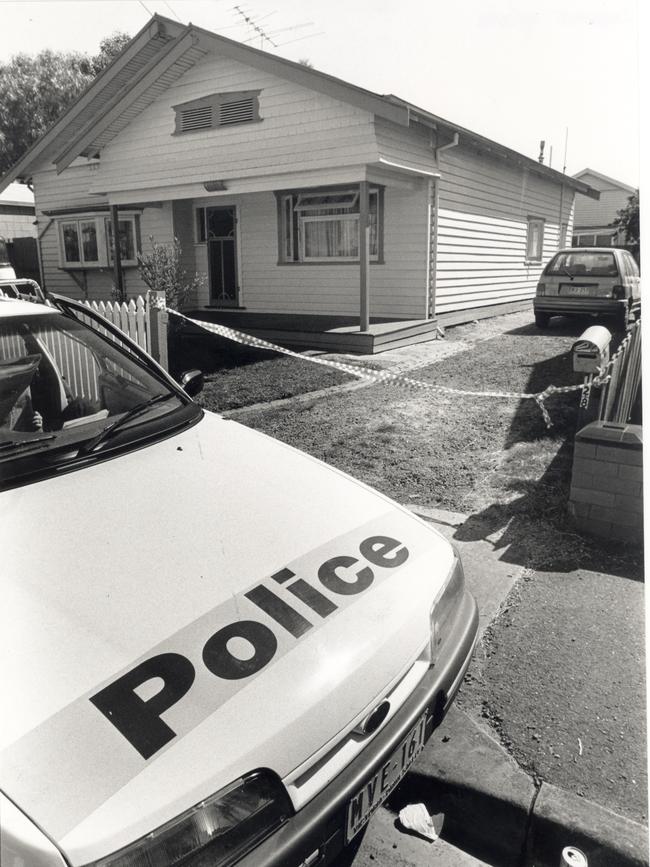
(217, 649)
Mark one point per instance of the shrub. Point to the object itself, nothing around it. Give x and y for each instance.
(162, 270)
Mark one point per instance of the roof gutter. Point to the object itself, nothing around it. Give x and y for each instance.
(432, 121)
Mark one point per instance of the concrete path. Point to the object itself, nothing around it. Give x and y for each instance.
(385, 844)
(493, 810)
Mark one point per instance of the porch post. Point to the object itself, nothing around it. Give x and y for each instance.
(432, 264)
(118, 275)
(364, 258)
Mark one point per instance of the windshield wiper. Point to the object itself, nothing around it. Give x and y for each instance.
(92, 444)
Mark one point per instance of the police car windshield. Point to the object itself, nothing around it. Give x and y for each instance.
(62, 384)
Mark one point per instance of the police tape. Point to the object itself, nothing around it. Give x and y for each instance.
(386, 376)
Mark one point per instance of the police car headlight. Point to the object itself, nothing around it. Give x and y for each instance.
(444, 605)
(216, 832)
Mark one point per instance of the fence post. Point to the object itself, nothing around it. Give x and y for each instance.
(157, 322)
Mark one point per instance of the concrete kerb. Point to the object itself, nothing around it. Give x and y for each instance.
(492, 807)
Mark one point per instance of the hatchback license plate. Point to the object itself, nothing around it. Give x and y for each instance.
(569, 289)
(379, 786)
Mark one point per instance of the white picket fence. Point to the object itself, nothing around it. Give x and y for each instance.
(141, 319)
(130, 317)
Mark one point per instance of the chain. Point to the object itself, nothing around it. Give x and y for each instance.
(386, 376)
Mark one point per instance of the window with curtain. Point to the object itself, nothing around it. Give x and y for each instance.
(535, 239)
(86, 241)
(323, 225)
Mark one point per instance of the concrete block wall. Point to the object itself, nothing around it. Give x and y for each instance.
(607, 481)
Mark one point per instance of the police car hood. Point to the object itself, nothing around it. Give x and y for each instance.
(191, 611)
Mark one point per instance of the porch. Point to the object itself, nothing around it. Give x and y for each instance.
(324, 332)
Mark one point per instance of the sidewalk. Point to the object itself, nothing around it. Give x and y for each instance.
(491, 805)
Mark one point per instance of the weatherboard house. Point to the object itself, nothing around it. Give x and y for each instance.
(317, 211)
(593, 224)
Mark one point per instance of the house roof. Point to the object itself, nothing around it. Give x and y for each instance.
(607, 180)
(17, 194)
(164, 50)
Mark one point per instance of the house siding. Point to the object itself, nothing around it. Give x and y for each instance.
(484, 206)
(397, 287)
(601, 212)
(16, 225)
(300, 130)
(411, 146)
(70, 190)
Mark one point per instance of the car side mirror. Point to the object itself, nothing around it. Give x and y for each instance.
(192, 382)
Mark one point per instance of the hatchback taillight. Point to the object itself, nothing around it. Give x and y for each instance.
(541, 288)
(618, 291)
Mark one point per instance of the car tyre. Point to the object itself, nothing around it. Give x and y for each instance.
(542, 320)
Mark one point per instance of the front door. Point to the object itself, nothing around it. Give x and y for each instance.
(221, 225)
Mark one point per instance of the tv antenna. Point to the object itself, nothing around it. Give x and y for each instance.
(258, 30)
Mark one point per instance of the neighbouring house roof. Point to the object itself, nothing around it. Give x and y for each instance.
(605, 179)
(16, 195)
(164, 50)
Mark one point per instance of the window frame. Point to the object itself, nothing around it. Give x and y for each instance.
(292, 211)
(532, 257)
(101, 222)
(123, 218)
(81, 263)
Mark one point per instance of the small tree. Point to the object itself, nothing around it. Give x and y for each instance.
(162, 270)
(627, 219)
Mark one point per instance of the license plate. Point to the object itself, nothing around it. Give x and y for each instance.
(379, 787)
(569, 289)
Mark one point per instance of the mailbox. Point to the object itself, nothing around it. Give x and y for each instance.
(591, 350)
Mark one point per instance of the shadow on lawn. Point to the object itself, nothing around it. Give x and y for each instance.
(533, 528)
(213, 353)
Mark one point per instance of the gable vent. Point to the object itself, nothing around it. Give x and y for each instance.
(196, 118)
(240, 111)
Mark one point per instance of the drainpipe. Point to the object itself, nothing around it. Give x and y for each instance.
(451, 144)
(432, 264)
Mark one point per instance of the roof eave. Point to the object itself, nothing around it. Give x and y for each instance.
(23, 168)
(426, 118)
(609, 180)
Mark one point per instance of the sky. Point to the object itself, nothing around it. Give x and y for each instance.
(515, 71)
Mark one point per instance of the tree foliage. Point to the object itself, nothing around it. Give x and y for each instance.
(627, 219)
(36, 89)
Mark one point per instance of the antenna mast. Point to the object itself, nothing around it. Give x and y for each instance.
(263, 36)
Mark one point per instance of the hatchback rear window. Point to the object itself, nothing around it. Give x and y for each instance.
(586, 263)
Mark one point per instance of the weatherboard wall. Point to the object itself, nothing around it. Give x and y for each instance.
(484, 206)
(397, 285)
(299, 130)
(601, 212)
(70, 190)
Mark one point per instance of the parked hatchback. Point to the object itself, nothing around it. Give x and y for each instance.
(218, 649)
(583, 280)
